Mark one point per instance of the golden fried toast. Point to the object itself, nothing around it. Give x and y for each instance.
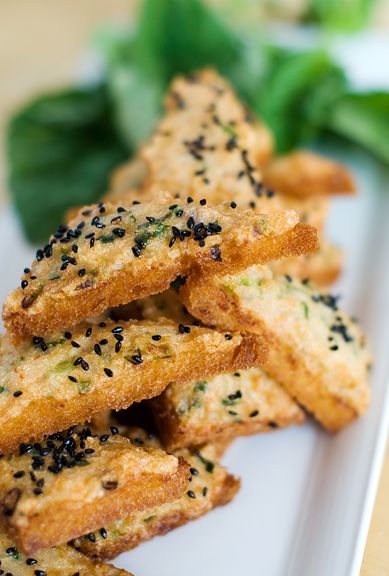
(302, 173)
(56, 383)
(242, 403)
(58, 561)
(113, 256)
(317, 352)
(210, 486)
(322, 268)
(208, 139)
(76, 481)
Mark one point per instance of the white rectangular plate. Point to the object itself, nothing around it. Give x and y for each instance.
(306, 497)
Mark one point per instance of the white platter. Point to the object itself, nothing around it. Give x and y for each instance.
(306, 497)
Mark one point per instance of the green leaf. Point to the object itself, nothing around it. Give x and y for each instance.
(346, 15)
(363, 119)
(60, 148)
(298, 88)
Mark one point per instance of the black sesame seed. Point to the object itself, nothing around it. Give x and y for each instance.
(156, 337)
(74, 344)
(108, 372)
(172, 241)
(191, 494)
(40, 573)
(136, 251)
(137, 359)
(189, 199)
(72, 379)
(81, 272)
(104, 438)
(120, 209)
(203, 202)
(18, 393)
(150, 219)
(228, 336)
(38, 491)
(84, 365)
(114, 430)
(118, 346)
(117, 329)
(24, 284)
(27, 270)
(233, 204)
(88, 332)
(335, 347)
(205, 491)
(11, 551)
(119, 232)
(103, 342)
(19, 474)
(74, 248)
(194, 471)
(254, 413)
(173, 206)
(102, 324)
(97, 349)
(68, 335)
(103, 533)
(31, 561)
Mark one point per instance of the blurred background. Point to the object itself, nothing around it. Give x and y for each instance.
(82, 85)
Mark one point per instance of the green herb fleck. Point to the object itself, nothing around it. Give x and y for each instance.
(209, 466)
(106, 238)
(200, 386)
(83, 386)
(64, 366)
(306, 310)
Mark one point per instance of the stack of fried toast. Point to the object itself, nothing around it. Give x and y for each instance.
(190, 294)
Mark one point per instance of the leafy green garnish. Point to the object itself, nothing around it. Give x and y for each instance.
(2, 389)
(61, 148)
(306, 310)
(363, 119)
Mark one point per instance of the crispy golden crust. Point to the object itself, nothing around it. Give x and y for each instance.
(220, 486)
(64, 385)
(112, 274)
(317, 352)
(303, 173)
(58, 561)
(105, 478)
(239, 404)
(322, 268)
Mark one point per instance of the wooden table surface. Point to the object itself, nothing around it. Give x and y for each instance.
(40, 46)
